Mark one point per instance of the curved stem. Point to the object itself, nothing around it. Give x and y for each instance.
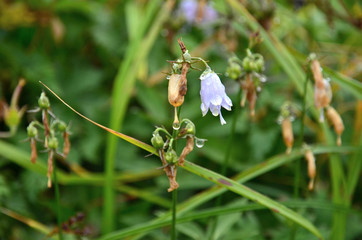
(57, 199)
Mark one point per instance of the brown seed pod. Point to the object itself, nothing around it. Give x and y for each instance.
(337, 122)
(317, 74)
(309, 157)
(287, 131)
(176, 90)
(322, 95)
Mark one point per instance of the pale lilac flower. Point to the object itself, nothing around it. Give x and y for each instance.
(189, 10)
(213, 95)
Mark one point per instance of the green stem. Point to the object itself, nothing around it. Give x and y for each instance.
(174, 205)
(174, 192)
(300, 140)
(297, 175)
(57, 200)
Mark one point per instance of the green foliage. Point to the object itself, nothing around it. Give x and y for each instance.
(107, 59)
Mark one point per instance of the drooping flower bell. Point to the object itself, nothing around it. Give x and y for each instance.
(213, 94)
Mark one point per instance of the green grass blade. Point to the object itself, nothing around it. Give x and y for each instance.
(204, 214)
(252, 195)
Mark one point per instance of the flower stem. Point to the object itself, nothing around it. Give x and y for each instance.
(174, 192)
(57, 199)
(173, 225)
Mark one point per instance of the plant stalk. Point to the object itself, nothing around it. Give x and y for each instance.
(57, 200)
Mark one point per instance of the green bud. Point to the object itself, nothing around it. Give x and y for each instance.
(12, 117)
(43, 101)
(247, 64)
(53, 143)
(234, 71)
(171, 156)
(157, 141)
(62, 127)
(259, 63)
(190, 128)
(187, 56)
(32, 131)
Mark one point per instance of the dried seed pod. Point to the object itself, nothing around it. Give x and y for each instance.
(187, 149)
(337, 122)
(176, 90)
(309, 157)
(317, 73)
(287, 131)
(322, 95)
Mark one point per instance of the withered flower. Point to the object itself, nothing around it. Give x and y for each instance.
(337, 122)
(309, 157)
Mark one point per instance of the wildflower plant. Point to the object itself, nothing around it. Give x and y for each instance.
(52, 129)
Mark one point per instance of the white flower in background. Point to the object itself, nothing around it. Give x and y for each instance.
(213, 94)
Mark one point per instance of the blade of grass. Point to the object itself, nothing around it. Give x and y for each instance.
(28, 221)
(204, 214)
(252, 195)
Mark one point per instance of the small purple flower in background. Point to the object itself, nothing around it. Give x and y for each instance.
(213, 94)
(189, 9)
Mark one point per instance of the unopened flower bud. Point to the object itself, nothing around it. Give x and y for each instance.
(337, 122)
(247, 62)
(190, 128)
(234, 71)
(32, 130)
(287, 131)
(176, 90)
(157, 141)
(43, 101)
(62, 127)
(53, 143)
(258, 63)
(171, 156)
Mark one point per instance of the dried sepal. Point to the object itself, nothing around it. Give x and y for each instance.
(66, 145)
(249, 93)
(187, 149)
(170, 170)
(309, 157)
(34, 153)
(287, 131)
(337, 122)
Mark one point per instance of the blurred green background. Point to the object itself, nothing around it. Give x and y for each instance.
(108, 60)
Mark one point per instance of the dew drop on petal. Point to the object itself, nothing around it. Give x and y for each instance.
(168, 77)
(200, 142)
